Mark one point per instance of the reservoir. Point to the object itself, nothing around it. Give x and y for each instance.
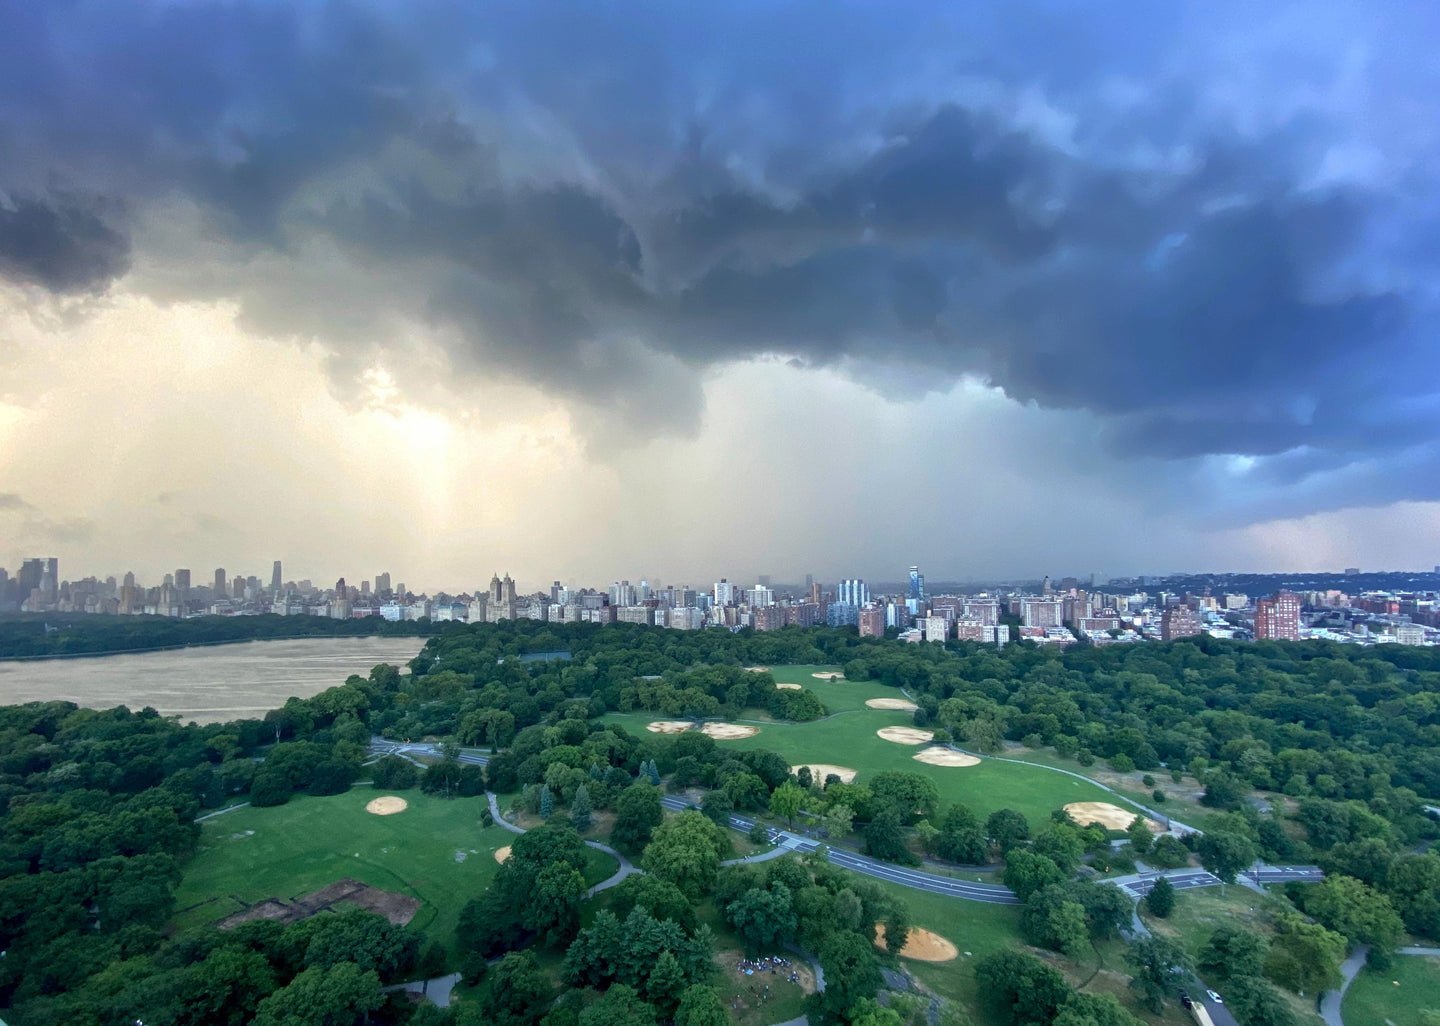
(210, 684)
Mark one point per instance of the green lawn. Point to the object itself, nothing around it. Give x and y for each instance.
(1395, 997)
(1198, 912)
(848, 738)
(291, 850)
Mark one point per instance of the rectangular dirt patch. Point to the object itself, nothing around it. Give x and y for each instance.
(399, 909)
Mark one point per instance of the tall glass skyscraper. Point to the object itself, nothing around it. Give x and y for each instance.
(917, 583)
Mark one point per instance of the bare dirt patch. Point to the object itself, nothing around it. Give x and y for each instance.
(399, 909)
(386, 805)
(501, 854)
(821, 770)
(828, 675)
(728, 731)
(946, 757)
(921, 945)
(907, 735)
(1111, 817)
(756, 669)
(782, 685)
(892, 703)
(669, 726)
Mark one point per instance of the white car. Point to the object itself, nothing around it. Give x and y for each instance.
(1214, 997)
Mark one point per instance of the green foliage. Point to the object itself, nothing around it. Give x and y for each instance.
(1168, 852)
(1254, 1002)
(637, 813)
(1358, 912)
(1226, 855)
(331, 996)
(762, 917)
(581, 809)
(547, 802)
(897, 927)
(393, 773)
(1304, 957)
(1233, 951)
(1161, 898)
(1007, 828)
(686, 851)
(785, 801)
(1027, 872)
(514, 994)
(1051, 920)
(700, 1005)
(885, 838)
(851, 975)
(1019, 989)
(1153, 958)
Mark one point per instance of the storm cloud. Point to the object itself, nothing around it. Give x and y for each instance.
(1184, 222)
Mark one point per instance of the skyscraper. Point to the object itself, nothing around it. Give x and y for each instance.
(182, 589)
(275, 582)
(382, 585)
(219, 588)
(917, 583)
(852, 590)
(1278, 618)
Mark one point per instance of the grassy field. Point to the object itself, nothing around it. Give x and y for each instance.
(291, 850)
(1395, 997)
(848, 738)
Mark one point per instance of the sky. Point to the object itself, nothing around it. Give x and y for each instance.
(677, 291)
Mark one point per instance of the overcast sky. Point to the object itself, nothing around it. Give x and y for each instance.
(585, 291)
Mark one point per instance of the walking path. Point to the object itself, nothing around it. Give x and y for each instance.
(627, 867)
(1332, 1000)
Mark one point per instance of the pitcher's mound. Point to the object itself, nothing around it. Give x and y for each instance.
(1111, 817)
(669, 726)
(501, 854)
(728, 731)
(921, 945)
(945, 757)
(756, 669)
(820, 770)
(892, 703)
(829, 675)
(788, 687)
(907, 735)
(386, 806)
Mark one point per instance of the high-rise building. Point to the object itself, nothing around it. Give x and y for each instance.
(937, 628)
(1278, 618)
(724, 593)
(219, 587)
(1180, 622)
(1041, 612)
(970, 628)
(852, 590)
(917, 583)
(872, 621)
(275, 581)
(182, 589)
(382, 584)
(28, 580)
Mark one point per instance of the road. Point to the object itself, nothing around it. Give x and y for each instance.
(1137, 885)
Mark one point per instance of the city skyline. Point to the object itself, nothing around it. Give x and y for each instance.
(1000, 290)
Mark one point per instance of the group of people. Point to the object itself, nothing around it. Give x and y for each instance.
(773, 964)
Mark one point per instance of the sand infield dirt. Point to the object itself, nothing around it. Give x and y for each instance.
(669, 726)
(756, 669)
(788, 687)
(907, 735)
(946, 757)
(829, 675)
(1111, 817)
(501, 854)
(921, 945)
(821, 770)
(892, 703)
(728, 731)
(386, 805)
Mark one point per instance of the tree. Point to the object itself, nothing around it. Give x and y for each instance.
(700, 1005)
(1233, 951)
(226, 987)
(848, 961)
(365, 938)
(552, 909)
(1139, 835)
(1225, 855)
(686, 851)
(1168, 852)
(1019, 989)
(1061, 845)
(762, 917)
(1305, 957)
(1153, 958)
(718, 806)
(269, 789)
(804, 777)
(637, 813)
(1413, 884)
(547, 802)
(785, 801)
(1255, 1002)
(839, 821)
(897, 927)
(1161, 899)
(1082, 1009)
(757, 834)
(1051, 920)
(912, 795)
(662, 899)
(515, 992)
(1006, 828)
(885, 838)
(580, 809)
(1361, 914)
(665, 982)
(333, 996)
(1027, 872)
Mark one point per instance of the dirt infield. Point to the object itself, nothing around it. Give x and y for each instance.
(892, 703)
(907, 735)
(756, 669)
(1111, 817)
(921, 945)
(728, 731)
(828, 675)
(946, 757)
(789, 687)
(669, 726)
(398, 908)
(387, 805)
(501, 854)
(820, 770)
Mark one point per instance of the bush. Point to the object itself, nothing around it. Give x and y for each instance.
(1084, 758)
(1122, 763)
(269, 789)
(758, 833)
(1148, 780)
(1158, 795)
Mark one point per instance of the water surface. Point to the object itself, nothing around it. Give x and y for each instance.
(208, 685)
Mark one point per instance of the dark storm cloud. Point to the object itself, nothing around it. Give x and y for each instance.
(1110, 212)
